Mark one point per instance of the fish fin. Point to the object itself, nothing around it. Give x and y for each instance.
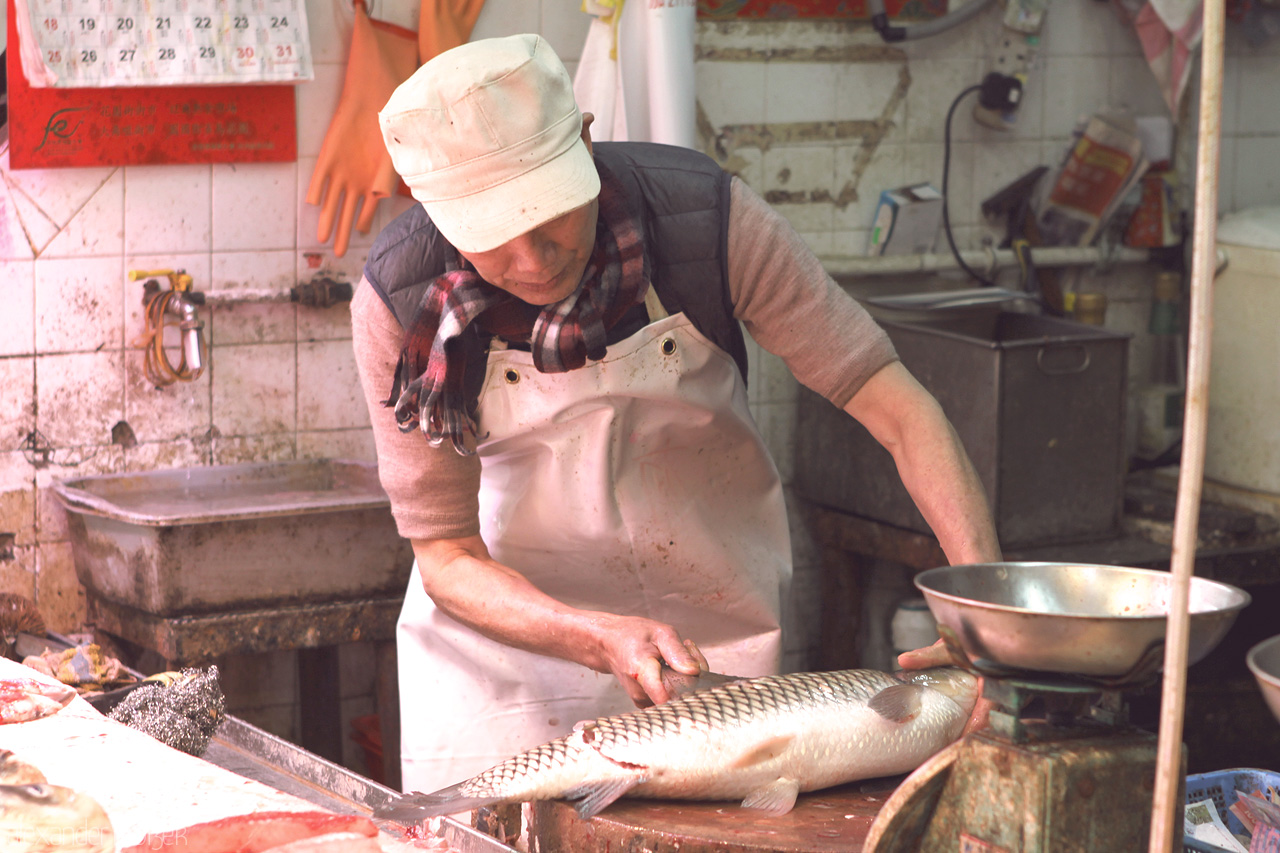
(775, 799)
(899, 703)
(591, 798)
(409, 809)
(770, 749)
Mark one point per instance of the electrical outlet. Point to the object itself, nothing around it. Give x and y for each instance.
(1011, 59)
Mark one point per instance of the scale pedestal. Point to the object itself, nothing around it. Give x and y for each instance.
(1078, 781)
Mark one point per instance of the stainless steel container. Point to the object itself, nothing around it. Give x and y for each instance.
(235, 537)
(1038, 403)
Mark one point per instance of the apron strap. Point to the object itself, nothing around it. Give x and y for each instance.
(653, 305)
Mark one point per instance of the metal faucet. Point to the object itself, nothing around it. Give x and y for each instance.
(180, 301)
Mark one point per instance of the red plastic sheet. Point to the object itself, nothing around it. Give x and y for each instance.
(135, 125)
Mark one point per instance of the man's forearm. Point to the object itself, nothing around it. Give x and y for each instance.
(931, 462)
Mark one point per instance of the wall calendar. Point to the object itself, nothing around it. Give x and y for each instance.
(113, 43)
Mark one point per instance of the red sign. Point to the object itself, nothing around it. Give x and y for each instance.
(141, 125)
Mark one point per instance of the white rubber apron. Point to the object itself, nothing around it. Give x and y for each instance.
(636, 485)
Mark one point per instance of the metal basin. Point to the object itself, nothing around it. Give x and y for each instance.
(1264, 662)
(1102, 622)
(188, 541)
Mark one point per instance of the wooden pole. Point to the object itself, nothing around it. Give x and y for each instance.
(1167, 810)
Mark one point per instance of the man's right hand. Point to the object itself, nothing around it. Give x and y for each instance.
(634, 650)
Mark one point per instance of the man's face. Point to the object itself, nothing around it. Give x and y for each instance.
(544, 265)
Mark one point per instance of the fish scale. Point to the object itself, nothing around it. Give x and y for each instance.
(763, 740)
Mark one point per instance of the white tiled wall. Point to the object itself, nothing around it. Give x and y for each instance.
(281, 383)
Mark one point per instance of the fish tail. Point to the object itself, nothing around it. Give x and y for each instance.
(409, 809)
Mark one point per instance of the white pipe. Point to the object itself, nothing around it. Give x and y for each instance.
(983, 260)
(246, 295)
(1166, 809)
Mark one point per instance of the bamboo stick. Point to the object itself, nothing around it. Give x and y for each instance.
(1166, 809)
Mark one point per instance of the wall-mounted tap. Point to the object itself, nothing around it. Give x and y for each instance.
(179, 301)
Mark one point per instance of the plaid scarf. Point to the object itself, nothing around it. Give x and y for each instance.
(428, 391)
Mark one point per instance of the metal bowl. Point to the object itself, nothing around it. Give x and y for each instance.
(1264, 661)
(1101, 622)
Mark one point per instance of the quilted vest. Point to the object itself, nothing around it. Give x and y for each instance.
(680, 199)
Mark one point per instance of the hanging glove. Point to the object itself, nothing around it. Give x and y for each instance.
(445, 24)
(353, 162)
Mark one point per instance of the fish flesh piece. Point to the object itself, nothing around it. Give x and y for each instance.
(15, 771)
(253, 833)
(761, 740)
(40, 818)
(25, 699)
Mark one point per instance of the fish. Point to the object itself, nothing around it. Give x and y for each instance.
(15, 771)
(26, 699)
(762, 741)
(256, 832)
(40, 818)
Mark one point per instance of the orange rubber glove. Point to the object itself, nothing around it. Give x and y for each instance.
(353, 162)
(445, 24)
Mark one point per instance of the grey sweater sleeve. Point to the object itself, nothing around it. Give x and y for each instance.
(793, 308)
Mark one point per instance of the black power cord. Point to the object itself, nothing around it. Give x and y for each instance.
(999, 92)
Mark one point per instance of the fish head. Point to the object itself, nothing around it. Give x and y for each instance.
(956, 684)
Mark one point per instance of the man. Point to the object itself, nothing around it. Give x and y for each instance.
(592, 499)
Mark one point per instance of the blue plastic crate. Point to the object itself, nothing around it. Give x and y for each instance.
(1222, 786)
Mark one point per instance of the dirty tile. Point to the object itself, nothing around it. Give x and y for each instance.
(80, 304)
(60, 194)
(231, 450)
(17, 291)
(17, 498)
(59, 595)
(254, 389)
(734, 34)
(329, 393)
(79, 397)
(317, 101)
(799, 172)
(68, 464)
(251, 322)
(254, 206)
(1065, 106)
(1259, 94)
(1256, 182)
(162, 455)
(732, 93)
(968, 41)
(862, 182)
(935, 85)
(564, 26)
(864, 90)
(37, 227)
(167, 209)
(160, 413)
(97, 227)
(1078, 29)
(1226, 176)
(14, 242)
(17, 389)
(796, 91)
(354, 444)
(330, 323)
(18, 575)
(504, 17)
(1133, 88)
